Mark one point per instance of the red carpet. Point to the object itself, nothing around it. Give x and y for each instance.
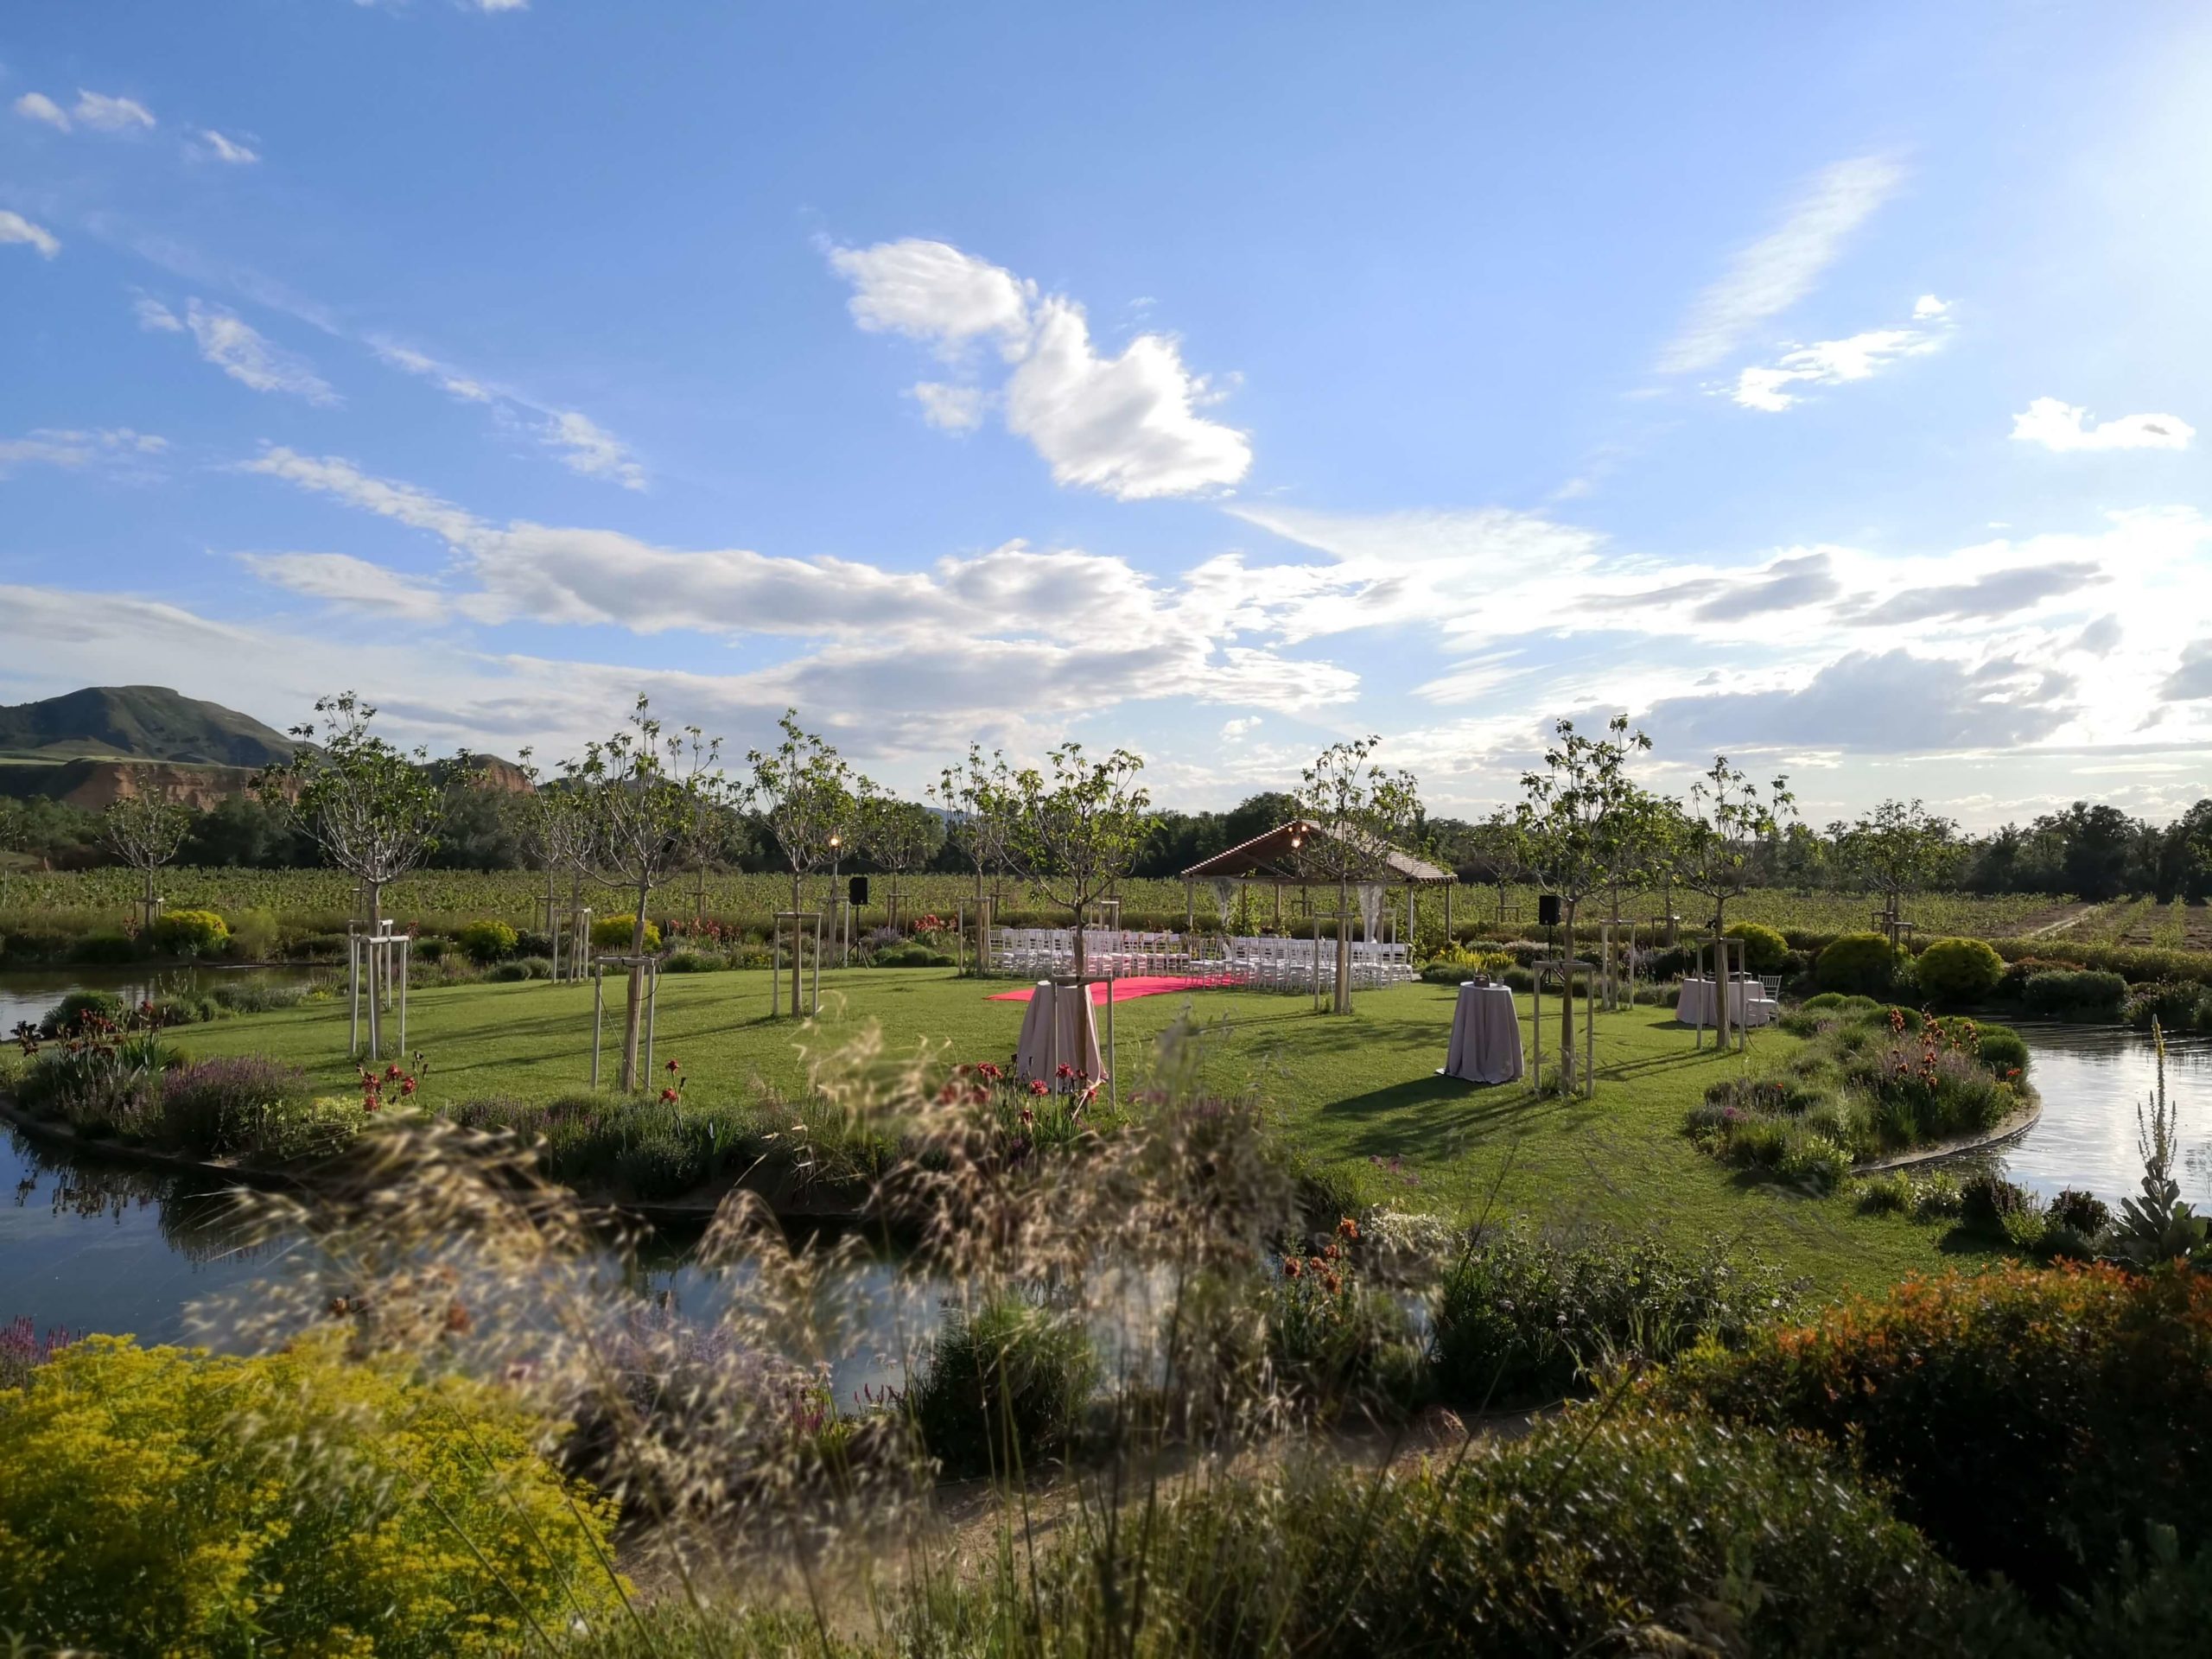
(1124, 990)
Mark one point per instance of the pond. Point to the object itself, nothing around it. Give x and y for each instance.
(92, 1244)
(2092, 1078)
(27, 993)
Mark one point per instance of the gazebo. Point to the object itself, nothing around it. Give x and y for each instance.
(1286, 856)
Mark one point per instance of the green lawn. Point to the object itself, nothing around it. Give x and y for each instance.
(1351, 1090)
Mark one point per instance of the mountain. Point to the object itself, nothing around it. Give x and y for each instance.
(138, 723)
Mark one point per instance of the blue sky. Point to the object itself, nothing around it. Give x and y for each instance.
(1217, 380)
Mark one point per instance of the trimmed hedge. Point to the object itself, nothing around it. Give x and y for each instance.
(1955, 972)
(1857, 965)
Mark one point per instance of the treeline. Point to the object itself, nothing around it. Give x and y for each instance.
(2091, 851)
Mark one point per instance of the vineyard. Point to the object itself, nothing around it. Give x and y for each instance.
(440, 899)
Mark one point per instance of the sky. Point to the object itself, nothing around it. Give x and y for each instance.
(1819, 386)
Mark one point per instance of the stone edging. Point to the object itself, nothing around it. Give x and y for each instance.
(2013, 1127)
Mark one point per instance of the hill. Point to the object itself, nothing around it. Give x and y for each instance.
(138, 723)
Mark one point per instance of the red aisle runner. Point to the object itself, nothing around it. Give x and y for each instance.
(1125, 989)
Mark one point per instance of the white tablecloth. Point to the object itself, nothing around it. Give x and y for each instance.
(1035, 1055)
(1485, 1036)
(1749, 1005)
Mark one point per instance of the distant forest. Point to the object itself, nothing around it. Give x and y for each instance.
(2090, 851)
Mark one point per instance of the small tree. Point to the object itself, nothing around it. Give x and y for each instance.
(144, 831)
(805, 795)
(1075, 829)
(1362, 811)
(1574, 813)
(979, 802)
(556, 830)
(1723, 828)
(898, 836)
(1500, 853)
(1899, 848)
(640, 791)
(371, 806)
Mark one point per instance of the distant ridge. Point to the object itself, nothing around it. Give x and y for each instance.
(138, 722)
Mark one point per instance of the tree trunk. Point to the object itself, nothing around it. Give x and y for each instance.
(1079, 947)
(1344, 949)
(633, 1013)
(1566, 1066)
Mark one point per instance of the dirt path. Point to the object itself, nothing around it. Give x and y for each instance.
(2073, 918)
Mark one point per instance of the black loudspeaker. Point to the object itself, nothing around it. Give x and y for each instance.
(857, 891)
(1547, 909)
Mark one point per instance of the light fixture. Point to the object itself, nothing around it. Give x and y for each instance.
(836, 840)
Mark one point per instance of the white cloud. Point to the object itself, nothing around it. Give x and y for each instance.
(949, 409)
(1774, 272)
(1832, 362)
(456, 384)
(1236, 731)
(54, 447)
(103, 113)
(228, 149)
(403, 502)
(155, 317)
(933, 291)
(1124, 425)
(14, 227)
(356, 584)
(2062, 427)
(591, 450)
(1127, 426)
(236, 348)
(37, 106)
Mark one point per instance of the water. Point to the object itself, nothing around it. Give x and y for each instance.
(92, 1244)
(27, 993)
(2092, 1078)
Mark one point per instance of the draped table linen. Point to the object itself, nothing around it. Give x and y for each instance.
(1069, 1007)
(1486, 1043)
(1749, 1005)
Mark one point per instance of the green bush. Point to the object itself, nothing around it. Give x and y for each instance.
(1336, 1344)
(163, 1501)
(2045, 1416)
(105, 948)
(691, 961)
(1003, 1388)
(1857, 965)
(1955, 972)
(1765, 952)
(1630, 1533)
(189, 933)
(80, 1009)
(1518, 1320)
(2076, 993)
(911, 954)
(485, 941)
(2181, 1007)
(612, 933)
(2003, 1050)
(254, 934)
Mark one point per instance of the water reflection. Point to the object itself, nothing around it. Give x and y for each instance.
(2092, 1080)
(27, 993)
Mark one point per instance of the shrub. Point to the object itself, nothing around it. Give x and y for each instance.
(1636, 1533)
(253, 935)
(2045, 1417)
(1765, 952)
(1003, 1387)
(1958, 971)
(2076, 993)
(2003, 1050)
(80, 1010)
(189, 933)
(612, 933)
(256, 995)
(2171, 1007)
(688, 961)
(1986, 1199)
(1518, 1320)
(1857, 963)
(105, 947)
(158, 1500)
(1335, 1342)
(221, 1107)
(912, 954)
(2085, 1212)
(485, 941)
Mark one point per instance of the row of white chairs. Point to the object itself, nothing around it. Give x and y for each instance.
(1120, 951)
(1267, 963)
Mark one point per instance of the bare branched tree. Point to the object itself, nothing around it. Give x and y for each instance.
(371, 806)
(145, 831)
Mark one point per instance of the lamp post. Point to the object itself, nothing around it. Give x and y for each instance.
(844, 933)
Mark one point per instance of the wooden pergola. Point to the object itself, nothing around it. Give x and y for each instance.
(1278, 860)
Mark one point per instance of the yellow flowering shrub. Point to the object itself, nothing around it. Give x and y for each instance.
(160, 1500)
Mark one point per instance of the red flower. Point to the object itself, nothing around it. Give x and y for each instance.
(1064, 1071)
(675, 1065)
(1292, 1267)
(667, 1094)
(1036, 1085)
(407, 1085)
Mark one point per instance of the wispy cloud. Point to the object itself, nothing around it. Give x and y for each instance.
(104, 113)
(14, 227)
(1772, 274)
(583, 445)
(2062, 427)
(355, 584)
(590, 449)
(37, 106)
(1127, 426)
(1776, 386)
(235, 347)
(54, 446)
(229, 151)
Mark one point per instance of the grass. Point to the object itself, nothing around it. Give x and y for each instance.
(1356, 1094)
